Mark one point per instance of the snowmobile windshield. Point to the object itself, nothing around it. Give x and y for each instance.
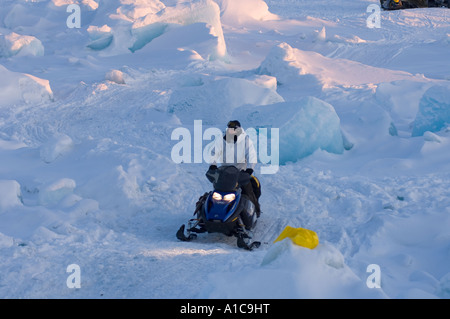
(227, 180)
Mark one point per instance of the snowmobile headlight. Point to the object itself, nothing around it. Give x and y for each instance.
(229, 197)
(216, 196)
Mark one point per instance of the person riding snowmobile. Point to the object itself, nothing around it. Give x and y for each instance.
(238, 150)
(405, 4)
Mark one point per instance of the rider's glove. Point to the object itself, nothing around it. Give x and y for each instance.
(249, 171)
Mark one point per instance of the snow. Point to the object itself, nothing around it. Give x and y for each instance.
(230, 93)
(289, 271)
(55, 192)
(101, 37)
(18, 88)
(307, 68)
(185, 13)
(55, 147)
(146, 21)
(199, 39)
(87, 178)
(235, 12)
(115, 76)
(10, 194)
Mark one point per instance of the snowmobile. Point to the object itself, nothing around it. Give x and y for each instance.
(405, 4)
(224, 210)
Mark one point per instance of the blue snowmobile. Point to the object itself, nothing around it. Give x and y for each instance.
(224, 210)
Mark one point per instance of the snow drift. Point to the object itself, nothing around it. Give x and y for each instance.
(101, 37)
(314, 72)
(55, 147)
(202, 11)
(87, 177)
(10, 194)
(290, 274)
(12, 44)
(215, 99)
(136, 24)
(237, 12)
(305, 126)
(17, 88)
(434, 111)
(198, 39)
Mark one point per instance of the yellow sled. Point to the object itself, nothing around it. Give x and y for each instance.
(300, 236)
